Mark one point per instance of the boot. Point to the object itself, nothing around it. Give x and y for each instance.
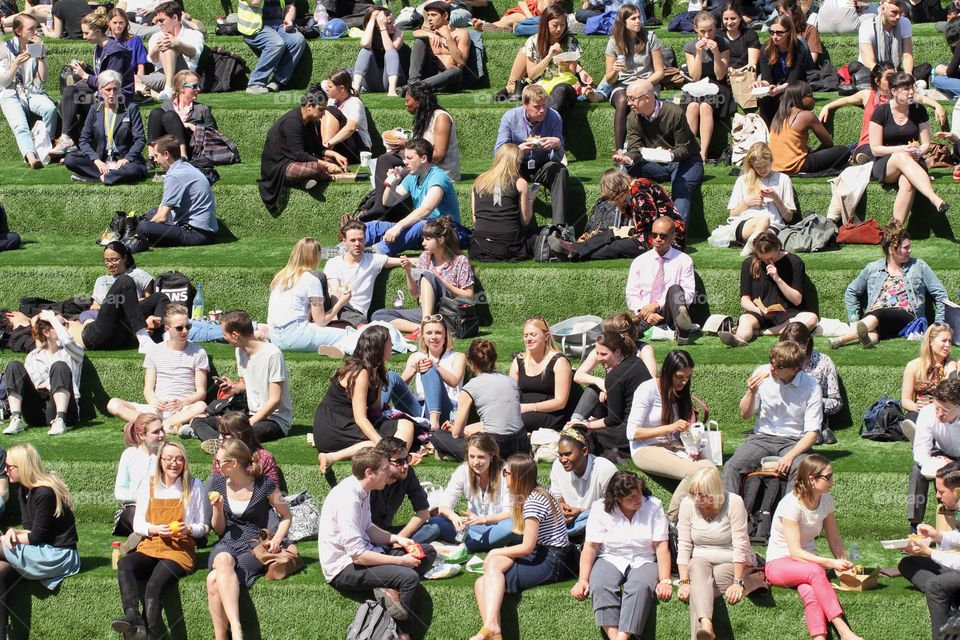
(131, 626)
(129, 227)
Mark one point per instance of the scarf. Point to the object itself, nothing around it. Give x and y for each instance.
(25, 80)
(888, 44)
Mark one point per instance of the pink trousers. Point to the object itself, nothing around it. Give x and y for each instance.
(810, 580)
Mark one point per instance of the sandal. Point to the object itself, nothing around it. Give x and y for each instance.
(485, 634)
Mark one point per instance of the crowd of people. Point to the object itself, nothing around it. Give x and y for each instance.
(596, 522)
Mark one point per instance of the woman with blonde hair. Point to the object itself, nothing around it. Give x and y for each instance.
(502, 207)
(45, 549)
(713, 552)
(761, 198)
(792, 559)
(180, 114)
(242, 499)
(537, 559)
(170, 517)
(545, 379)
(143, 436)
(297, 313)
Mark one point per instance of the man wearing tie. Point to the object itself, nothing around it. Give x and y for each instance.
(661, 286)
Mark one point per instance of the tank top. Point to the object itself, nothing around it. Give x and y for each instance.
(789, 147)
(925, 389)
(498, 217)
(452, 392)
(874, 101)
(540, 387)
(451, 162)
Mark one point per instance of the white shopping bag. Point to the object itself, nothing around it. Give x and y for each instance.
(41, 141)
(711, 441)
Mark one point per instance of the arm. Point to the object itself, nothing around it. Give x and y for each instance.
(853, 293)
(162, 214)
(531, 528)
(907, 390)
(461, 51)
(430, 201)
(366, 40)
(526, 202)
(136, 131)
(826, 140)
(649, 358)
(936, 291)
(463, 414)
(634, 288)
(441, 138)
(923, 444)
(791, 533)
(834, 541)
(588, 555)
(453, 376)
(859, 98)
(275, 393)
(393, 194)
(656, 57)
(66, 341)
(694, 64)
(832, 401)
(188, 50)
(939, 112)
(867, 55)
(584, 374)
(753, 56)
(283, 510)
(149, 387)
(906, 55)
(121, 486)
(200, 388)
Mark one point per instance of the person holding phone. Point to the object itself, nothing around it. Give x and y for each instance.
(761, 198)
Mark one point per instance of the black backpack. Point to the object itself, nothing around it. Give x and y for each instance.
(762, 492)
(881, 421)
(221, 71)
(541, 248)
(460, 314)
(372, 622)
(177, 288)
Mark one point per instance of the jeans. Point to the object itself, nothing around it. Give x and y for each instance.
(579, 526)
(279, 50)
(435, 397)
(409, 239)
(305, 336)
(480, 537)
(946, 84)
(15, 110)
(207, 331)
(161, 234)
(427, 533)
(685, 176)
(375, 77)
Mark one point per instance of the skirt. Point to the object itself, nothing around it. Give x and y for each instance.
(45, 563)
(879, 169)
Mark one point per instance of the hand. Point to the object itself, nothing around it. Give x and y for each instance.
(918, 548)
(712, 46)
(754, 381)
(288, 25)
(756, 201)
(153, 323)
(760, 83)
(603, 397)
(174, 405)
(339, 158)
(554, 50)
(345, 298)
(164, 42)
(778, 89)
(824, 114)
(410, 561)
(228, 386)
(424, 365)
(680, 426)
(701, 44)
(394, 176)
(734, 593)
(332, 168)
(392, 234)
(159, 405)
(405, 260)
(455, 520)
(471, 519)
(101, 167)
(121, 162)
(402, 541)
(18, 319)
(619, 65)
(683, 593)
(664, 591)
(190, 126)
(783, 467)
(929, 532)
(946, 135)
(585, 77)
(9, 538)
(654, 319)
(163, 530)
(772, 272)
(941, 115)
(275, 544)
(23, 57)
(841, 565)
(446, 426)
(436, 42)
(47, 315)
(580, 590)
(381, 20)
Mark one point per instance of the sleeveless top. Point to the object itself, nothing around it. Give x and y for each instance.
(452, 392)
(873, 102)
(789, 148)
(925, 389)
(498, 215)
(451, 162)
(540, 387)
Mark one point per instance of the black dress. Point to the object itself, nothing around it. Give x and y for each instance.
(242, 528)
(621, 383)
(740, 48)
(722, 103)
(499, 236)
(540, 388)
(333, 425)
(792, 271)
(896, 134)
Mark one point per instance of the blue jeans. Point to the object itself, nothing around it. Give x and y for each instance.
(480, 537)
(410, 238)
(279, 50)
(578, 526)
(207, 331)
(685, 176)
(946, 84)
(15, 110)
(435, 397)
(427, 533)
(305, 336)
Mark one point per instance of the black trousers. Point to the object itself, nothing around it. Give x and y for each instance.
(160, 234)
(563, 99)
(940, 586)
(555, 177)
(606, 246)
(168, 123)
(385, 162)
(38, 406)
(390, 576)
(447, 445)
(825, 159)
(121, 316)
(676, 299)
(426, 67)
(267, 430)
(74, 106)
(159, 575)
(84, 167)
(352, 146)
(9, 579)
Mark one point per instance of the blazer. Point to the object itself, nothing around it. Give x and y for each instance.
(128, 136)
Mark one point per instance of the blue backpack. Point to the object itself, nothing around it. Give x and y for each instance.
(528, 27)
(881, 421)
(600, 25)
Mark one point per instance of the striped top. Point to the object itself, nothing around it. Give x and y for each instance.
(553, 530)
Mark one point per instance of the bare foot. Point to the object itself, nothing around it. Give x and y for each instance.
(324, 463)
(393, 94)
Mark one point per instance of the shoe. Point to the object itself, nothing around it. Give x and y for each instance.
(210, 446)
(77, 178)
(861, 158)
(390, 599)
(273, 87)
(956, 173)
(557, 249)
(864, 334)
(835, 343)
(683, 320)
(57, 428)
(64, 146)
(131, 543)
(129, 227)
(310, 184)
(136, 244)
(909, 428)
(943, 208)
(413, 336)
(15, 426)
(142, 98)
(257, 89)
(827, 436)
(186, 432)
(330, 351)
(129, 630)
(747, 250)
(730, 339)
(35, 163)
(703, 634)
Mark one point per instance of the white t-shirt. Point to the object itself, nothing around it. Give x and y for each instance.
(811, 524)
(176, 370)
(265, 366)
(187, 36)
(628, 543)
(868, 35)
(361, 277)
(353, 110)
(293, 305)
(782, 186)
(481, 503)
(581, 492)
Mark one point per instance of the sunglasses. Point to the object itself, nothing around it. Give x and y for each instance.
(190, 85)
(434, 318)
(777, 32)
(401, 462)
(826, 476)
(654, 234)
(182, 327)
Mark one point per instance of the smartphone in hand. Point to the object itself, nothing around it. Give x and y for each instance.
(35, 49)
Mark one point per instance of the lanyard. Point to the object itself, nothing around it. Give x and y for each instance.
(109, 119)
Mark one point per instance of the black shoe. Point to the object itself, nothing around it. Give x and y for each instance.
(136, 244)
(847, 89)
(131, 627)
(827, 436)
(3, 220)
(129, 227)
(951, 626)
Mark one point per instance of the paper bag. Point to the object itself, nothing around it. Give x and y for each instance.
(742, 86)
(711, 442)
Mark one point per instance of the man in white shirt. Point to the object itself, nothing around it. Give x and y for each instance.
(885, 37)
(355, 273)
(172, 49)
(355, 554)
(789, 408)
(936, 572)
(660, 285)
(936, 444)
(175, 382)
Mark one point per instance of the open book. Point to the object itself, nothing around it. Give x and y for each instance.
(765, 310)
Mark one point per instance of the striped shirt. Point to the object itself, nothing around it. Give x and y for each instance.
(176, 370)
(553, 529)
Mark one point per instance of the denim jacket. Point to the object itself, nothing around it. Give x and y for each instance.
(918, 277)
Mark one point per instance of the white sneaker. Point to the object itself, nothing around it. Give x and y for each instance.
(57, 428)
(747, 250)
(16, 426)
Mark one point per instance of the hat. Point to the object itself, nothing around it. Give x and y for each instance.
(336, 28)
(438, 6)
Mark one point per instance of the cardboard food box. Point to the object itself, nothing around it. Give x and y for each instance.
(853, 581)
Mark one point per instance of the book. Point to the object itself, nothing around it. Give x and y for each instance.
(765, 310)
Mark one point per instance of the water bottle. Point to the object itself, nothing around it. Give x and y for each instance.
(116, 554)
(855, 552)
(198, 304)
(320, 16)
(955, 121)
(50, 22)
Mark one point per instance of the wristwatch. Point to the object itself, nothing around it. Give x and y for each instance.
(683, 582)
(738, 582)
(666, 581)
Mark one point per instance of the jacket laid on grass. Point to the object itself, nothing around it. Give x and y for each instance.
(918, 279)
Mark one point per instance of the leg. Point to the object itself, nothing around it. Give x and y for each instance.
(518, 70)
(131, 568)
(361, 71)
(556, 177)
(130, 172)
(165, 574)
(917, 491)
(74, 106)
(228, 594)
(398, 393)
(431, 290)
(186, 414)
(940, 586)
(621, 110)
(901, 164)
(434, 394)
(418, 58)
(869, 321)
(268, 44)
(490, 593)
(748, 327)
(120, 321)
(562, 100)
(173, 125)
(830, 158)
(294, 44)
(267, 430)
(675, 310)
(61, 391)
(486, 537)
(658, 461)
(745, 459)
(9, 579)
(14, 112)
(692, 113)
(819, 599)
(391, 71)
(687, 176)
(639, 601)
(22, 394)
(44, 107)
(605, 582)
(703, 591)
(706, 128)
(81, 165)
(754, 225)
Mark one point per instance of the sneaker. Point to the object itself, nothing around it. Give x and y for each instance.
(77, 178)
(257, 89)
(861, 158)
(730, 339)
(186, 432)
(330, 351)
(864, 334)
(64, 146)
(827, 436)
(131, 543)
(390, 599)
(835, 343)
(57, 428)
(413, 336)
(136, 244)
(210, 446)
(909, 428)
(310, 184)
(747, 250)
(107, 237)
(16, 426)
(273, 86)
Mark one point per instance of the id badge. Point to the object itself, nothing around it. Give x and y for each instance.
(531, 164)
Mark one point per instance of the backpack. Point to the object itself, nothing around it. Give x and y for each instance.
(177, 288)
(881, 421)
(541, 248)
(372, 622)
(600, 25)
(762, 492)
(221, 71)
(460, 314)
(606, 214)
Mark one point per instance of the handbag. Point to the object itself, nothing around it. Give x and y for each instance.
(742, 86)
(210, 143)
(280, 565)
(938, 156)
(460, 314)
(41, 141)
(711, 441)
(304, 517)
(856, 232)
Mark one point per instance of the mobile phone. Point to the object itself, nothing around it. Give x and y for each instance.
(35, 49)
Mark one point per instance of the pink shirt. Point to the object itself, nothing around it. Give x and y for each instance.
(677, 269)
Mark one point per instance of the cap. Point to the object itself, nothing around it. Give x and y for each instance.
(334, 29)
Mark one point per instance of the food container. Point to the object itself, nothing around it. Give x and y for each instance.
(769, 463)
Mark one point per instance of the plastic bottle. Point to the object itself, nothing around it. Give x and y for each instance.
(855, 552)
(320, 16)
(955, 120)
(198, 304)
(116, 554)
(50, 22)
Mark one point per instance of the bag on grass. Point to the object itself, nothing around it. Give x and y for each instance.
(304, 517)
(372, 622)
(177, 288)
(543, 443)
(856, 232)
(281, 564)
(541, 248)
(460, 314)
(762, 492)
(41, 141)
(881, 421)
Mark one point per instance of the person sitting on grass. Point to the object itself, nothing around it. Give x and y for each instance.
(538, 559)
(922, 375)
(378, 67)
(143, 436)
(627, 548)
(934, 445)
(67, 18)
(789, 410)
(402, 484)
(187, 215)
(708, 58)
(9, 240)
(578, 479)
(936, 572)
(761, 198)
(45, 549)
(895, 289)
(784, 60)
(497, 401)
(886, 36)
(268, 28)
(235, 425)
(792, 558)
(112, 138)
(822, 369)
(344, 124)
(180, 115)
(170, 518)
(293, 152)
(174, 48)
(520, 12)
(790, 131)
(175, 378)
(502, 206)
(120, 30)
(44, 389)
(439, 53)
(772, 286)
(441, 271)
(544, 377)
(349, 417)
(356, 554)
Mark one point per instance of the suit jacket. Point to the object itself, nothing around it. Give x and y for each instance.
(128, 136)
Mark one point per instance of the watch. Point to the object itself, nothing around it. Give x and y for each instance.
(666, 581)
(738, 582)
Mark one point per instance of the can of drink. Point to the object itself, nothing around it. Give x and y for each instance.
(462, 534)
(621, 58)
(215, 315)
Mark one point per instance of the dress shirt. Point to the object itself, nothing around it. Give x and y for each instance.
(628, 543)
(344, 520)
(515, 128)
(788, 410)
(948, 553)
(677, 269)
(935, 435)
